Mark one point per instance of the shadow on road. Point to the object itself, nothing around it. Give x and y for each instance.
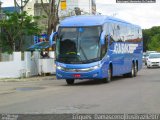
(95, 82)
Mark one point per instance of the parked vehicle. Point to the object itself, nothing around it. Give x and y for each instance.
(97, 47)
(153, 60)
(146, 55)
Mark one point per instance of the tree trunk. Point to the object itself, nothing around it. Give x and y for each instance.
(49, 30)
(52, 15)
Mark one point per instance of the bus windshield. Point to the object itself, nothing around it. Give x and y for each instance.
(78, 44)
(151, 56)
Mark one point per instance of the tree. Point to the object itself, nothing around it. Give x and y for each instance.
(20, 4)
(151, 38)
(52, 14)
(155, 43)
(146, 38)
(15, 27)
(0, 31)
(77, 11)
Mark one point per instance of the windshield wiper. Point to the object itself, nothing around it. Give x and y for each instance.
(91, 60)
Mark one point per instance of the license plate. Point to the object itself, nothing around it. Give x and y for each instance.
(76, 75)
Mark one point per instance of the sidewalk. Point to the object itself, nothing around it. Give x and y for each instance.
(34, 78)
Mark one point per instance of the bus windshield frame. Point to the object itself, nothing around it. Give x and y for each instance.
(78, 45)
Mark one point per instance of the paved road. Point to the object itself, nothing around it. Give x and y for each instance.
(122, 95)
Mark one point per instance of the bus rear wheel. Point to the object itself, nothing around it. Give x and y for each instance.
(70, 81)
(133, 71)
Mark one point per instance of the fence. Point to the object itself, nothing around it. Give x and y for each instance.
(6, 57)
(18, 67)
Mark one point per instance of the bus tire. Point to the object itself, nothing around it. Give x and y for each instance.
(109, 78)
(132, 73)
(70, 81)
(135, 69)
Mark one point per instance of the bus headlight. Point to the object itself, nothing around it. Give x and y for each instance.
(78, 70)
(94, 67)
(60, 68)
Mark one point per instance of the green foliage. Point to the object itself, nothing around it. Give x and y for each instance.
(152, 38)
(14, 27)
(154, 44)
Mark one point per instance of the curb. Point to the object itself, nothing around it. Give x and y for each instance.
(35, 78)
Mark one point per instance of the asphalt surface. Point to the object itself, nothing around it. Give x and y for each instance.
(123, 95)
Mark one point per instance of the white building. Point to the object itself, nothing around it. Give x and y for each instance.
(29, 8)
(66, 6)
(66, 9)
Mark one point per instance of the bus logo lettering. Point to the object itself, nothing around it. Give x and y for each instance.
(121, 48)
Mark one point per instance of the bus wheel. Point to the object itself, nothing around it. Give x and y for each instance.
(70, 81)
(135, 70)
(109, 72)
(132, 73)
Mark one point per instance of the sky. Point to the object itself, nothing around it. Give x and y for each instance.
(7, 3)
(145, 15)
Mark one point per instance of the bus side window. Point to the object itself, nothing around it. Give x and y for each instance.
(111, 33)
(111, 40)
(104, 47)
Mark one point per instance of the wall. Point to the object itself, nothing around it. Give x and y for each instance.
(24, 68)
(11, 68)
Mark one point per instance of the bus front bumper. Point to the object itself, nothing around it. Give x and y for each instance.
(93, 74)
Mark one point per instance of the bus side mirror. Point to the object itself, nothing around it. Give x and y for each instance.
(102, 38)
(52, 38)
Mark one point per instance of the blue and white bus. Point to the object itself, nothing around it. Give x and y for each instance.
(97, 47)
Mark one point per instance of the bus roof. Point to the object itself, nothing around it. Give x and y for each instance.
(90, 20)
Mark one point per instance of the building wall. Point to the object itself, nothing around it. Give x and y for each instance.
(88, 6)
(10, 9)
(29, 8)
(38, 11)
(34, 8)
(85, 5)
